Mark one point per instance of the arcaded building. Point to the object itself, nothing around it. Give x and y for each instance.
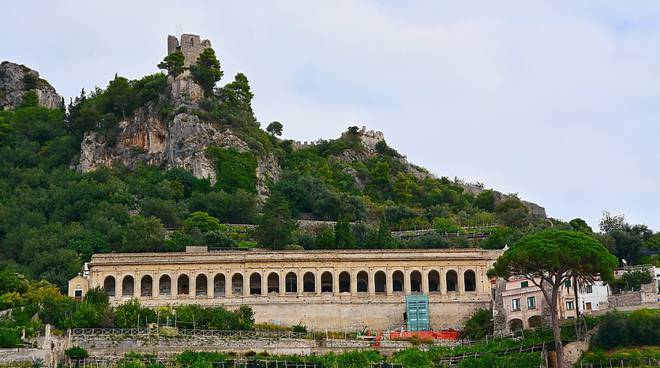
(334, 289)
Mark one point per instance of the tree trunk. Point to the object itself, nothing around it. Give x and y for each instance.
(556, 331)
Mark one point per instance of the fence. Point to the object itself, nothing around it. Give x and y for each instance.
(613, 363)
(453, 360)
(237, 363)
(236, 334)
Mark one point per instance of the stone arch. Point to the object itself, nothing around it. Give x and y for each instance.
(255, 283)
(237, 284)
(535, 321)
(291, 282)
(451, 278)
(201, 285)
(434, 281)
(362, 282)
(165, 285)
(219, 285)
(309, 282)
(470, 280)
(326, 282)
(183, 285)
(397, 281)
(416, 282)
(380, 282)
(128, 286)
(515, 324)
(146, 286)
(273, 283)
(109, 285)
(344, 282)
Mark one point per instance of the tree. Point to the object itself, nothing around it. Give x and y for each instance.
(173, 63)
(479, 325)
(344, 238)
(580, 225)
(276, 224)
(206, 71)
(551, 257)
(275, 128)
(202, 222)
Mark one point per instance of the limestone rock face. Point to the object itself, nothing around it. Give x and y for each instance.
(181, 143)
(16, 79)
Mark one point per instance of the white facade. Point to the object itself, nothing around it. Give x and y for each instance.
(593, 297)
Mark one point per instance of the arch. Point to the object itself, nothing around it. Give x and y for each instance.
(273, 283)
(344, 282)
(201, 285)
(362, 282)
(183, 285)
(434, 281)
(415, 282)
(397, 281)
(515, 324)
(291, 283)
(237, 284)
(470, 280)
(192, 41)
(146, 285)
(165, 285)
(309, 282)
(255, 283)
(452, 280)
(326, 282)
(128, 286)
(380, 282)
(535, 321)
(109, 285)
(219, 286)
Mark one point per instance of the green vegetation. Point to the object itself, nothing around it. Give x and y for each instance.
(637, 328)
(173, 63)
(479, 325)
(206, 71)
(553, 257)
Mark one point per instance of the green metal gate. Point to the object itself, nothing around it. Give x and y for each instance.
(417, 312)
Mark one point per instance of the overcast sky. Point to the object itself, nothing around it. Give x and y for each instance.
(558, 101)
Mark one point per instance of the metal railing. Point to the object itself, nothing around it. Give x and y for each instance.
(640, 362)
(239, 334)
(455, 359)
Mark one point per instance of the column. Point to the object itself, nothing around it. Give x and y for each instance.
(228, 284)
(192, 285)
(264, 282)
(155, 288)
(443, 281)
(317, 282)
(354, 282)
(371, 282)
(406, 282)
(389, 279)
(282, 280)
(246, 283)
(461, 281)
(425, 281)
(299, 282)
(210, 287)
(119, 287)
(335, 282)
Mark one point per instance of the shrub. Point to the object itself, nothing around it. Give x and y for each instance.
(10, 337)
(76, 352)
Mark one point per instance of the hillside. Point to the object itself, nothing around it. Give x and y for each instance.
(159, 163)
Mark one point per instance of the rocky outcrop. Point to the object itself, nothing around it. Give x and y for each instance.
(16, 79)
(533, 208)
(182, 142)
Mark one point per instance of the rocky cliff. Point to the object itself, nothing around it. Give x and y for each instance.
(17, 79)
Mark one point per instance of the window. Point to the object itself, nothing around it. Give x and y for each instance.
(588, 289)
(588, 306)
(570, 305)
(515, 304)
(567, 283)
(531, 302)
(524, 284)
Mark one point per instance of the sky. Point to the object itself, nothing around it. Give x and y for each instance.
(558, 101)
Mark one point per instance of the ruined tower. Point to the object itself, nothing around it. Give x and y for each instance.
(190, 45)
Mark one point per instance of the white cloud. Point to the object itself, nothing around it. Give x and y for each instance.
(557, 100)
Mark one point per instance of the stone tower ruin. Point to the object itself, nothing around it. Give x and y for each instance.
(190, 45)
